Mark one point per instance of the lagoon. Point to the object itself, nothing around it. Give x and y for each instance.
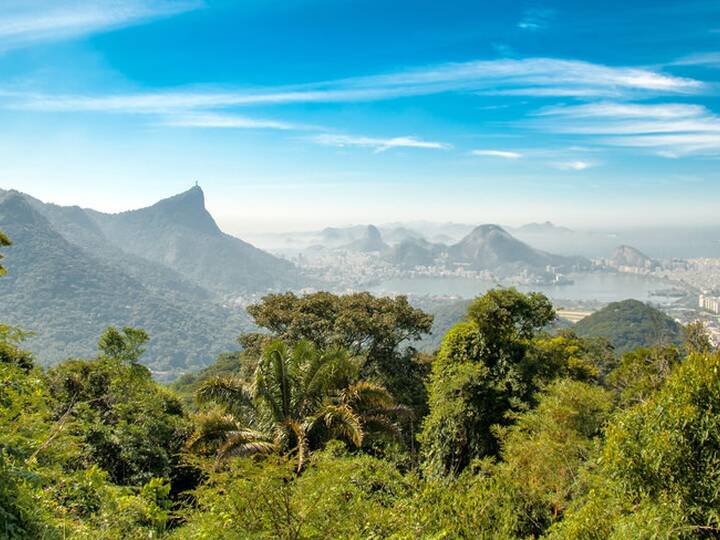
(596, 286)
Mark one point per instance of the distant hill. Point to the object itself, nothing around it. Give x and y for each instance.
(395, 235)
(542, 228)
(445, 316)
(370, 241)
(490, 247)
(631, 324)
(632, 257)
(487, 247)
(335, 236)
(67, 296)
(414, 252)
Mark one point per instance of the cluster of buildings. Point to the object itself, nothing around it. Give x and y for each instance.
(709, 303)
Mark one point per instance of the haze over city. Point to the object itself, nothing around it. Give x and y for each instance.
(298, 115)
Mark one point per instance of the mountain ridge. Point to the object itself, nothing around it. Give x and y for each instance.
(67, 296)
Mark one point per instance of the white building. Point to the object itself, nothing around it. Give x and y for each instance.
(710, 303)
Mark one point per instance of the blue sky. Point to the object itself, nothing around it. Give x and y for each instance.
(299, 114)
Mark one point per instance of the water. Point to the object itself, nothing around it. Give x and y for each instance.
(601, 287)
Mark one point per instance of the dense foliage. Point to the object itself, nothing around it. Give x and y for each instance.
(4, 241)
(631, 324)
(526, 434)
(380, 330)
(300, 398)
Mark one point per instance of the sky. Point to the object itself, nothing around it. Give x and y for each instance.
(297, 114)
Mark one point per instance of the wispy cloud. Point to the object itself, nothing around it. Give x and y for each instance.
(670, 129)
(575, 165)
(227, 121)
(530, 73)
(536, 19)
(25, 22)
(626, 110)
(496, 153)
(378, 144)
(708, 59)
(673, 145)
(531, 76)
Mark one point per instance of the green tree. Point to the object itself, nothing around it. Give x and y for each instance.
(543, 451)
(4, 242)
(658, 473)
(533, 480)
(10, 351)
(337, 496)
(379, 329)
(131, 427)
(481, 372)
(123, 346)
(697, 338)
(300, 398)
(642, 372)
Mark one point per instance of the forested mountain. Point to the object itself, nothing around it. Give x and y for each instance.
(67, 296)
(77, 227)
(180, 233)
(631, 324)
(175, 242)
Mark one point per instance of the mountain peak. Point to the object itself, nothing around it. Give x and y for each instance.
(373, 233)
(371, 240)
(625, 255)
(16, 209)
(186, 208)
(484, 230)
(192, 197)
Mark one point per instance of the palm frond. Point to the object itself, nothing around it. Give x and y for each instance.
(334, 370)
(245, 442)
(364, 394)
(228, 391)
(273, 381)
(342, 421)
(398, 410)
(380, 424)
(211, 431)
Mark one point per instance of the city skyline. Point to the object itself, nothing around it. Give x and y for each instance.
(292, 117)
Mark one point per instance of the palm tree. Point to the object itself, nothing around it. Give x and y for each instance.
(300, 398)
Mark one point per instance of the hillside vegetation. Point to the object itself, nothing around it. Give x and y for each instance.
(167, 268)
(331, 425)
(631, 324)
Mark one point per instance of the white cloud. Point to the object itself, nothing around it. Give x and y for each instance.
(575, 165)
(378, 144)
(626, 110)
(225, 121)
(670, 129)
(25, 22)
(673, 145)
(536, 19)
(531, 76)
(497, 153)
(708, 59)
(549, 73)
